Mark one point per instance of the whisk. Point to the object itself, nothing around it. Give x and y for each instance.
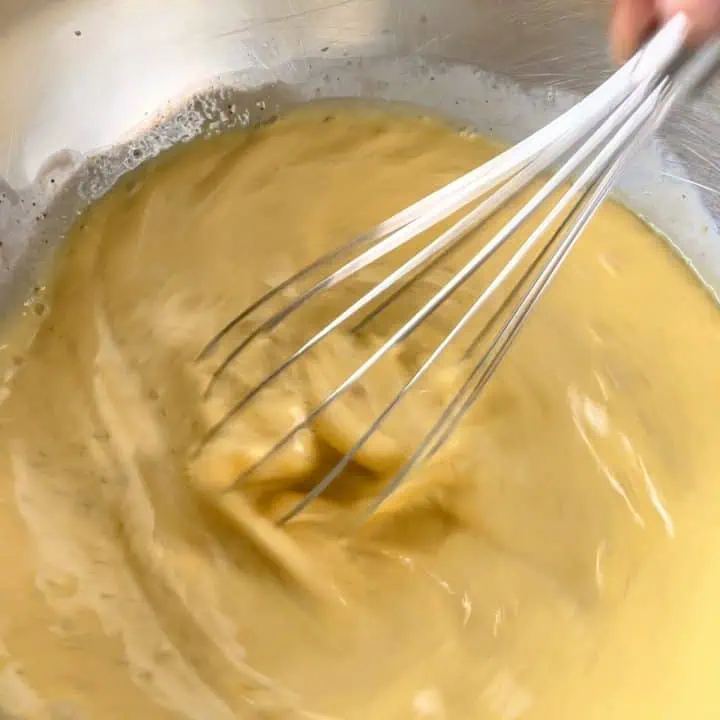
(587, 146)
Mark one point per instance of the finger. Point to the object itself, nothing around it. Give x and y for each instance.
(704, 15)
(632, 23)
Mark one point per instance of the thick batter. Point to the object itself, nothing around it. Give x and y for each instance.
(560, 558)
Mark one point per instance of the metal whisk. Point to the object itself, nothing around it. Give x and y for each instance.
(587, 146)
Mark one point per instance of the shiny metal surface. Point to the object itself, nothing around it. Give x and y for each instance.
(111, 79)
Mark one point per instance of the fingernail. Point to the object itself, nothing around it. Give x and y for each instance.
(669, 8)
(703, 15)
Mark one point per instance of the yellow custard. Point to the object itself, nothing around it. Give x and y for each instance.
(560, 558)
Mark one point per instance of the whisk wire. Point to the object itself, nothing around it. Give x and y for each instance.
(639, 114)
(457, 231)
(657, 55)
(590, 143)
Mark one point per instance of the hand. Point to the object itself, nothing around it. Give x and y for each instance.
(634, 20)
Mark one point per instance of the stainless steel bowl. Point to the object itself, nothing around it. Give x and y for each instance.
(90, 88)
